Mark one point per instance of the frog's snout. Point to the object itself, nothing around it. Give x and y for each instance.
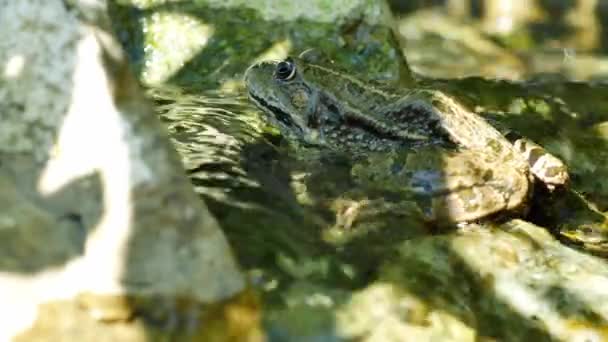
(259, 74)
(248, 75)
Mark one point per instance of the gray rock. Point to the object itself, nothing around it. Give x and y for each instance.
(97, 213)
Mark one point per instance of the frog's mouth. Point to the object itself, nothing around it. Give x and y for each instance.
(278, 113)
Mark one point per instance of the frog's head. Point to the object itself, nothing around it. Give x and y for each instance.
(280, 90)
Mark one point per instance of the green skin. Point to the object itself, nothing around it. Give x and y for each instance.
(420, 141)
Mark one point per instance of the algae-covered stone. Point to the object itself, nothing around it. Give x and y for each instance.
(513, 283)
(211, 42)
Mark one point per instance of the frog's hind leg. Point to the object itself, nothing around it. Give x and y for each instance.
(466, 204)
(468, 185)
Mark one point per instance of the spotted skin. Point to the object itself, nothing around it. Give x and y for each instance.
(460, 165)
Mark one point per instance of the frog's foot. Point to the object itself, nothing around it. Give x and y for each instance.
(347, 212)
(365, 214)
(592, 237)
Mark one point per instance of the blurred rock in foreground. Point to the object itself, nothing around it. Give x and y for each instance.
(101, 235)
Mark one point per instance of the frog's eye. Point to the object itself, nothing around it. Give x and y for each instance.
(285, 71)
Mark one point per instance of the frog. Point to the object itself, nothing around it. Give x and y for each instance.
(418, 140)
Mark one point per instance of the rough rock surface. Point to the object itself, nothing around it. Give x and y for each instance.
(211, 43)
(509, 283)
(97, 213)
(514, 282)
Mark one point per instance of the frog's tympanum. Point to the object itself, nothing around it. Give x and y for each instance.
(461, 167)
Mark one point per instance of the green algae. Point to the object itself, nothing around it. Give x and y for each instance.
(230, 37)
